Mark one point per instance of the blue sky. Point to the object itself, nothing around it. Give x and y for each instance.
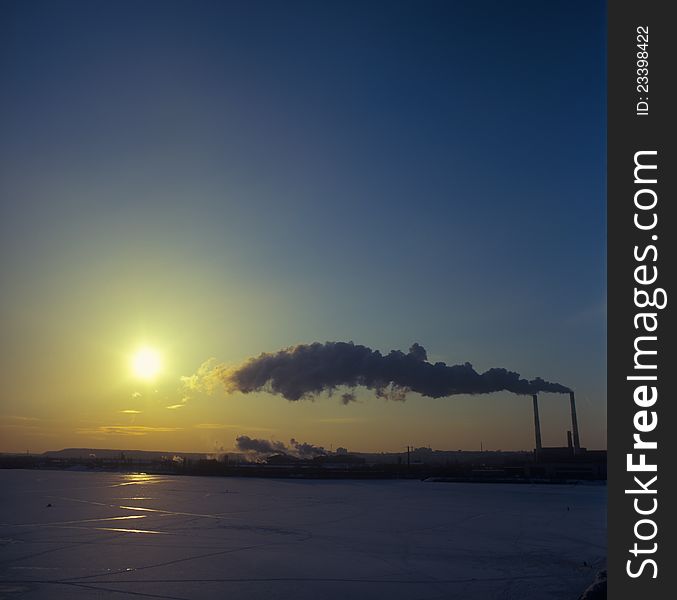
(227, 178)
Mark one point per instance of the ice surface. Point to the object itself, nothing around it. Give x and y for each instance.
(113, 535)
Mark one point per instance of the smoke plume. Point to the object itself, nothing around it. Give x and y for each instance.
(348, 397)
(306, 450)
(307, 370)
(258, 446)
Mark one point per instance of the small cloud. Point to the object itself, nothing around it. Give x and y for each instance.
(127, 430)
(136, 395)
(19, 422)
(130, 411)
(341, 420)
(181, 404)
(230, 426)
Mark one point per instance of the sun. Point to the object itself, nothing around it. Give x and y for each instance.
(146, 363)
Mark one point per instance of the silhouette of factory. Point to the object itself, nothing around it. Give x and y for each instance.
(570, 460)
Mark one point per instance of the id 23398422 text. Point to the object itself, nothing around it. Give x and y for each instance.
(642, 106)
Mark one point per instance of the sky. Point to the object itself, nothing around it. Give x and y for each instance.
(221, 179)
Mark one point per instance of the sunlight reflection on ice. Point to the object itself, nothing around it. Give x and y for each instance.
(135, 498)
(55, 523)
(130, 530)
(139, 478)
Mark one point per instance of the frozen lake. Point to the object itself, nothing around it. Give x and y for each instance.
(111, 535)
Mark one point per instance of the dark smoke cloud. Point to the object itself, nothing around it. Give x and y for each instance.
(295, 448)
(348, 397)
(306, 450)
(307, 370)
(418, 352)
(247, 444)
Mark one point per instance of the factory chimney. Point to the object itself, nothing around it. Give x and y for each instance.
(574, 424)
(537, 425)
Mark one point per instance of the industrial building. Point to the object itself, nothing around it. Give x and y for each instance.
(571, 460)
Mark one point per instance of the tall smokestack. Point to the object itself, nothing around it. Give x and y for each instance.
(574, 423)
(537, 425)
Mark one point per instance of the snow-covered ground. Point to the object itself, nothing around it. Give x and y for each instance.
(112, 535)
